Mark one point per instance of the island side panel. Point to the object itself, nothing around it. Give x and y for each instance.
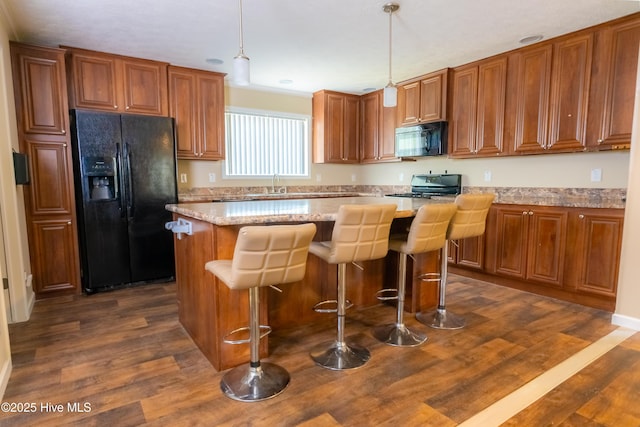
(207, 309)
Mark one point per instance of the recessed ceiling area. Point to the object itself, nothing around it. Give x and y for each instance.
(304, 46)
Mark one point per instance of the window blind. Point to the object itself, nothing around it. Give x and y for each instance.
(264, 145)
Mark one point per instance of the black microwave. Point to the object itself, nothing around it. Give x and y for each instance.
(429, 139)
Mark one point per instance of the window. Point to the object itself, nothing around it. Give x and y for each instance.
(263, 144)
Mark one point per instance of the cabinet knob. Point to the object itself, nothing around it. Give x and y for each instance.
(530, 212)
(69, 222)
(64, 145)
(115, 107)
(581, 216)
(600, 141)
(126, 108)
(524, 213)
(64, 131)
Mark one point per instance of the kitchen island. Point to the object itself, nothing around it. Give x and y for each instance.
(208, 310)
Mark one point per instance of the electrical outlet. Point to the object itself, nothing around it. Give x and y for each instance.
(212, 177)
(318, 177)
(183, 178)
(353, 177)
(401, 177)
(487, 176)
(596, 175)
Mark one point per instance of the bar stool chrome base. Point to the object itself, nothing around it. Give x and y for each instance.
(251, 384)
(398, 335)
(340, 356)
(441, 319)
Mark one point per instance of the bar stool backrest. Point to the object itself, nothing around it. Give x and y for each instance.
(471, 217)
(268, 255)
(428, 231)
(361, 232)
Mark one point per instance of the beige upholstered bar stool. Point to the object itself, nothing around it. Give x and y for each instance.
(469, 221)
(263, 256)
(428, 232)
(360, 233)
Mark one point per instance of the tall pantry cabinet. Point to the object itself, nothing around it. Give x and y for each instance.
(43, 124)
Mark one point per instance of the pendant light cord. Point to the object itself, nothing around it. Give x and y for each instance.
(390, 32)
(241, 39)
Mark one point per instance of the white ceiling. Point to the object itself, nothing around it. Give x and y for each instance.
(323, 44)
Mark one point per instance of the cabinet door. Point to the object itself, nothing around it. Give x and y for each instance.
(510, 239)
(613, 85)
(387, 137)
(211, 116)
(94, 82)
(569, 93)
(432, 99)
(53, 253)
(145, 87)
(532, 99)
(334, 128)
(471, 252)
(183, 107)
(408, 109)
(40, 87)
(370, 122)
(51, 188)
(546, 246)
(351, 140)
(596, 255)
(492, 81)
(462, 129)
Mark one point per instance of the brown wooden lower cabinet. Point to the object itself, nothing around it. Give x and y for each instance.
(562, 252)
(54, 256)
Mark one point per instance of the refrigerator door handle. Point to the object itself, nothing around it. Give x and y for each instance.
(119, 184)
(127, 160)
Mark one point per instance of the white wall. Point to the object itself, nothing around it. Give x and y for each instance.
(13, 224)
(628, 303)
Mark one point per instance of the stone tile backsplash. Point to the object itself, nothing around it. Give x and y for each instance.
(570, 197)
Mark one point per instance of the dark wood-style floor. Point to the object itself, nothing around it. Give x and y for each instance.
(125, 355)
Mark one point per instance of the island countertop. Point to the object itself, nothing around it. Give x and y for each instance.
(291, 210)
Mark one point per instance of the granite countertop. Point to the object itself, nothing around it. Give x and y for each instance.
(290, 210)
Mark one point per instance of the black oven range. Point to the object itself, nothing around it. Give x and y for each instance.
(428, 185)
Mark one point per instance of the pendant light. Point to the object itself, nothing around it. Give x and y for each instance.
(390, 93)
(241, 61)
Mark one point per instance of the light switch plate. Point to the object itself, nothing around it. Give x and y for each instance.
(596, 175)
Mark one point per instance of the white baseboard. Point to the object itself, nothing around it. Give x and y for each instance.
(626, 321)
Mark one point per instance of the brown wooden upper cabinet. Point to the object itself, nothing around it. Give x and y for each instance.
(548, 95)
(336, 127)
(101, 81)
(423, 99)
(613, 82)
(42, 77)
(377, 134)
(477, 108)
(196, 102)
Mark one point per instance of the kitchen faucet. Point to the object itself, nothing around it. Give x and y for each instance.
(281, 189)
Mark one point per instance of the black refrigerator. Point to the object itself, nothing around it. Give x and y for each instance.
(125, 174)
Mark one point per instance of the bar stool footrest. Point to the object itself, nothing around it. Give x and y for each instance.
(265, 328)
(318, 307)
(430, 277)
(387, 294)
